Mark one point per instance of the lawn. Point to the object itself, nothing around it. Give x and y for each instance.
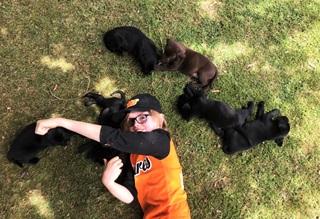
(52, 54)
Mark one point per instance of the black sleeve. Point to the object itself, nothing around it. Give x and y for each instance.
(155, 143)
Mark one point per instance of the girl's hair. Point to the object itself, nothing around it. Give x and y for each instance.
(161, 120)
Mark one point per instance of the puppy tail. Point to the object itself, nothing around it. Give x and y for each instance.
(244, 134)
(122, 94)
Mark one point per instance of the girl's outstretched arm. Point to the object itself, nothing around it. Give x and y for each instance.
(88, 130)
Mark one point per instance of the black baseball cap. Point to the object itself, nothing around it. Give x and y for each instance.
(139, 103)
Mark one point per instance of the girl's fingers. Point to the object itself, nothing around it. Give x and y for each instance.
(114, 159)
(41, 130)
(120, 164)
(43, 126)
(116, 162)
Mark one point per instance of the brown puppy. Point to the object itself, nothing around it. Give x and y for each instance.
(177, 57)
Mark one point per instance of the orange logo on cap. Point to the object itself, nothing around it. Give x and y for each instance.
(132, 103)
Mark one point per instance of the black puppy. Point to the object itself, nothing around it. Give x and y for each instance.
(96, 152)
(264, 127)
(109, 106)
(27, 144)
(132, 40)
(219, 114)
(184, 107)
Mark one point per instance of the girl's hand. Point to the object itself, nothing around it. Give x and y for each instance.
(112, 170)
(43, 126)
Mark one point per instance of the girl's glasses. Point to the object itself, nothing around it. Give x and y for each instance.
(140, 119)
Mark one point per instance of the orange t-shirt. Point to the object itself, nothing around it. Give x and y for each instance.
(159, 184)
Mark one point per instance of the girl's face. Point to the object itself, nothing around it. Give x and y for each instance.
(142, 122)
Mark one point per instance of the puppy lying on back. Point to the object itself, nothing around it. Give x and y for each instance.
(219, 114)
(177, 57)
(264, 127)
(95, 151)
(109, 106)
(27, 144)
(132, 40)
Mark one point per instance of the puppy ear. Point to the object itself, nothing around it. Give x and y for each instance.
(187, 91)
(120, 41)
(283, 126)
(186, 111)
(119, 38)
(279, 141)
(186, 107)
(181, 47)
(182, 50)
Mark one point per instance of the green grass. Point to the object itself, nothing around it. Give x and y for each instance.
(52, 54)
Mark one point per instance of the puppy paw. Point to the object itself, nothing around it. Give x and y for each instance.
(219, 133)
(250, 106)
(279, 141)
(34, 160)
(119, 52)
(90, 102)
(216, 130)
(147, 72)
(89, 95)
(95, 98)
(261, 104)
(92, 96)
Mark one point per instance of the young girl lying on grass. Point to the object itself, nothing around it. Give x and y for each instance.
(157, 170)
